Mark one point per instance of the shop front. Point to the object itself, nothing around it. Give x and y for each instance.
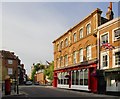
(80, 77)
(113, 80)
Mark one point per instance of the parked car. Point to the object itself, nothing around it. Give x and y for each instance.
(28, 83)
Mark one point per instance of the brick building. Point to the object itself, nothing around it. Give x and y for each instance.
(10, 64)
(76, 53)
(109, 34)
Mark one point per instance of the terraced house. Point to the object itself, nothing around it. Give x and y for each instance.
(79, 54)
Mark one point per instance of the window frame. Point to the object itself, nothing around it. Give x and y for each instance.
(103, 54)
(88, 52)
(113, 59)
(113, 34)
(101, 41)
(88, 30)
(10, 61)
(66, 42)
(74, 57)
(75, 37)
(80, 33)
(81, 56)
(66, 60)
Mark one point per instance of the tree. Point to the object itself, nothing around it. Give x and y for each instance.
(49, 71)
(37, 67)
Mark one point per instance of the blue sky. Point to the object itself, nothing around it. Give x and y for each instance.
(29, 28)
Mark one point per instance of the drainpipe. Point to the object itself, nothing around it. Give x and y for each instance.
(98, 49)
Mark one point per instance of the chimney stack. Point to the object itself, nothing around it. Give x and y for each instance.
(110, 14)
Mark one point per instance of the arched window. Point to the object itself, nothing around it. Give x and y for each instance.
(81, 33)
(88, 51)
(57, 47)
(74, 37)
(66, 42)
(74, 57)
(61, 45)
(88, 29)
(81, 55)
(66, 60)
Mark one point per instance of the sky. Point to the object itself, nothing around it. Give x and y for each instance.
(29, 28)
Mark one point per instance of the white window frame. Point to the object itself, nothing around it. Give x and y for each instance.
(81, 55)
(102, 54)
(89, 28)
(103, 35)
(66, 42)
(10, 71)
(75, 37)
(61, 45)
(113, 35)
(66, 60)
(88, 52)
(81, 36)
(74, 57)
(113, 52)
(10, 61)
(58, 47)
(61, 61)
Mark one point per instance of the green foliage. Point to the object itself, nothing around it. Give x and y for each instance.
(49, 71)
(37, 67)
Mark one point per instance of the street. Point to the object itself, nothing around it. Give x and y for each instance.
(48, 91)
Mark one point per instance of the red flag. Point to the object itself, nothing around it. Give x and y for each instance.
(108, 46)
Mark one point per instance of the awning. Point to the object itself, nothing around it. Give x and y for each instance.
(113, 69)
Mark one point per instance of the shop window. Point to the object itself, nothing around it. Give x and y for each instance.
(81, 77)
(77, 77)
(73, 75)
(86, 77)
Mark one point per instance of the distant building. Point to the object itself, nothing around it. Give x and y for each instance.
(11, 66)
(79, 61)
